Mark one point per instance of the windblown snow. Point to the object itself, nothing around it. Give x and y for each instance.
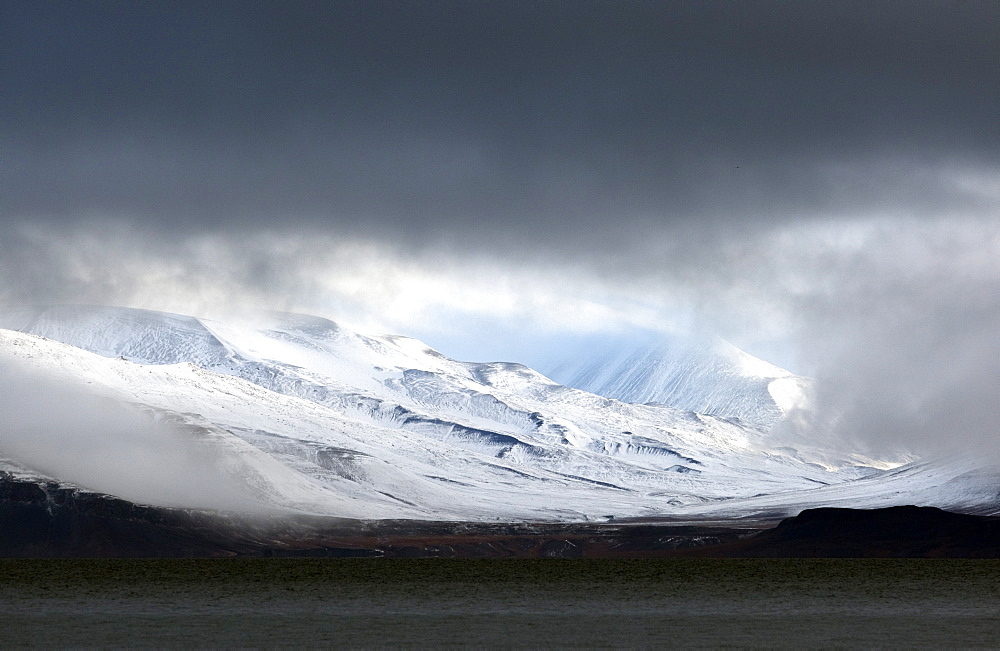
(297, 413)
(709, 377)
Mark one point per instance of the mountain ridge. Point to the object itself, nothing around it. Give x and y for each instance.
(336, 423)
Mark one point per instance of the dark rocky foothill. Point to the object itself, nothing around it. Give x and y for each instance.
(39, 519)
(51, 520)
(894, 532)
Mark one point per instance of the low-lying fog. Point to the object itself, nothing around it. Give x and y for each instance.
(61, 431)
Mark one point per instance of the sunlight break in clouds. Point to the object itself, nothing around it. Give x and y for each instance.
(375, 287)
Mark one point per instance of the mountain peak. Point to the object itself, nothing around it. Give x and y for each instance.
(708, 376)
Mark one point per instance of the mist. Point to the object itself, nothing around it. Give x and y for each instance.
(904, 342)
(59, 430)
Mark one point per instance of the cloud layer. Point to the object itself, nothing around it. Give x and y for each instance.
(816, 182)
(538, 124)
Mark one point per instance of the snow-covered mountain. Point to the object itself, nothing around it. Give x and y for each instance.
(297, 413)
(708, 377)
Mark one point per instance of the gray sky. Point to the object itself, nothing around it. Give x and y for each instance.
(555, 123)
(495, 177)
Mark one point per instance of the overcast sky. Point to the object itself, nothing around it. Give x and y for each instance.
(819, 182)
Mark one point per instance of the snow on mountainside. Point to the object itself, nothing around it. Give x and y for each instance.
(300, 413)
(707, 377)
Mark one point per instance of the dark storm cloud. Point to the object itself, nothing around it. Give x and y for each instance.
(562, 124)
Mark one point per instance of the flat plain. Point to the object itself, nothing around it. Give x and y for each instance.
(509, 603)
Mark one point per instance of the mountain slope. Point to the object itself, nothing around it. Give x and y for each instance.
(707, 377)
(298, 413)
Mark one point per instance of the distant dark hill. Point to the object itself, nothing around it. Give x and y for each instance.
(49, 520)
(45, 519)
(895, 532)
